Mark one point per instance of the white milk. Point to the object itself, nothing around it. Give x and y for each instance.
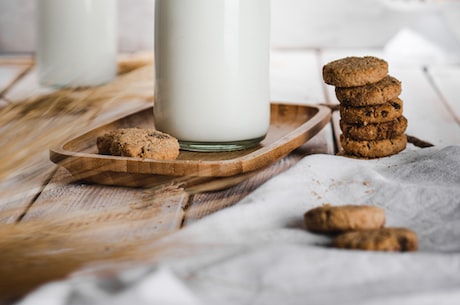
(212, 72)
(76, 42)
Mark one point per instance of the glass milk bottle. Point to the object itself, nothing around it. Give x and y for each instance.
(76, 42)
(212, 72)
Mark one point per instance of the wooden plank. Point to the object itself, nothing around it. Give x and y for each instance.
(18, 191)
(447, 80)
(429, 118)
(21, 187)
(147, 214)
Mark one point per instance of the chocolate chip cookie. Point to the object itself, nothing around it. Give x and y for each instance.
(386, 239)
(376, 131)
(387, 89)
(336, 219)
(373, 149)
(372, 114)
(355, 71)
(138, 142)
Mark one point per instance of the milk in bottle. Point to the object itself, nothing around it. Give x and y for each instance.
(212, 72)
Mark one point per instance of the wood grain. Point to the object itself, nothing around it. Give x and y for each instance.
(144, 214)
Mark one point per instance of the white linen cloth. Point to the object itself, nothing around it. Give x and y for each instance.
(258, 251)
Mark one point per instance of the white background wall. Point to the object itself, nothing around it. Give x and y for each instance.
(295, 23)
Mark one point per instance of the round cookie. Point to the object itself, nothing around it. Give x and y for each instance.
(389, 88)
(355, 71)
(387, 239)
(377, 131)
(373, 149)
(372, 114)
(336, 219)
(138, 142)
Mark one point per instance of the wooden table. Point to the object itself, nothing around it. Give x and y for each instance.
(43, 193)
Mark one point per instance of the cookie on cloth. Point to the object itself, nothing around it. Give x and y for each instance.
(376, 131)
(355, 71)
(387, 89)
(138, 142)
(336, 219)
(386, 239)
(373, 149)
(372, 114)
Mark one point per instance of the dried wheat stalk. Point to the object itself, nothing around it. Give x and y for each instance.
(37, 252)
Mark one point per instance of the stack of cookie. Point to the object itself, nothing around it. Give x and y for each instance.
(371, 111)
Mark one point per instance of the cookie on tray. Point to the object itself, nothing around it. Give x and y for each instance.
(389, 88)
(355, 71)
(386, 239)
(373, 149)
(140, 143)
(336, 219)
(376, 131)
(372, 114)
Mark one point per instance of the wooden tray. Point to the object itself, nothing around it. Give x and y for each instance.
(290, 127)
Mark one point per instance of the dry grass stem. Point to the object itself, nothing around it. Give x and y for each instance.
(37, 252)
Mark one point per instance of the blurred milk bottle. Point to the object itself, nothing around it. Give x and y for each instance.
(76, 42)
(212, 72)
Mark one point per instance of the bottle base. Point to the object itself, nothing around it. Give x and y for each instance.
(219, 146)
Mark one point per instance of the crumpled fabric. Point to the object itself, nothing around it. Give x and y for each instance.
(258, 251)
(139, 286)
